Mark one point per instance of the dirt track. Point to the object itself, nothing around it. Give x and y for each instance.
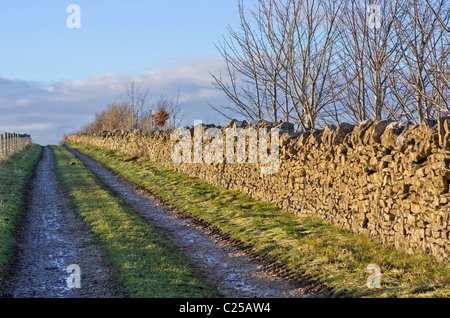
(53, 237)
(226, 267)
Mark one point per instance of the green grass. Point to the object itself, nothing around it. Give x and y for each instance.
(145, 263)
(299, 246)
(15, 173)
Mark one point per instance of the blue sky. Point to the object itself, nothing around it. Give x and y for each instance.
(53, 79)
(115, 36)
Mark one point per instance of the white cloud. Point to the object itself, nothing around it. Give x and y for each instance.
(22, 101)
(46, 112)
(32, 127)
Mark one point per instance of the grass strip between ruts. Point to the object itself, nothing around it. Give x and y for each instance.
(146, 264)
(303, 246)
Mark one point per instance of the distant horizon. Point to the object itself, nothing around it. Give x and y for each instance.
(56, 78)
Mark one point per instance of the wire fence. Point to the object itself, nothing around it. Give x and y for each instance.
(11, 143)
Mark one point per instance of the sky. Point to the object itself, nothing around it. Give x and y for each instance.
(53, 78)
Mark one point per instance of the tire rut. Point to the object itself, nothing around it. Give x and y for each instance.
(229, 269)
(51, 238)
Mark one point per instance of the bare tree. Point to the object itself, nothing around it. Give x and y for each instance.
(307, 36)
(425, 52)
(370, 55)
(272, 39)
(281, 61)
(439, 59)
(242, 83)
(313, 62)
(170, 105)
(353, 67)
(139, 103)
(441, 13)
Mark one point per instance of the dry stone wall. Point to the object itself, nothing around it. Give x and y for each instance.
(386, 179)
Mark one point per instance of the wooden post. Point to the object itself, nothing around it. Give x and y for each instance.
(11, 143)
(7, 145)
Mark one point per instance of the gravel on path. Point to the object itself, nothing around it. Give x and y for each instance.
(51, 238)
(230, 269)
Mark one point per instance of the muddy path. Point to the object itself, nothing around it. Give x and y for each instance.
(228, 268)
(51, 238)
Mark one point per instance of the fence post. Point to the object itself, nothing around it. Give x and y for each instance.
(7, 145)
(11, 143)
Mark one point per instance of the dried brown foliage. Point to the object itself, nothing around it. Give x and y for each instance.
(161, 117)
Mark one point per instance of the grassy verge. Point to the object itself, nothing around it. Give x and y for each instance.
(302, 246)
(146, 264)
(15, 173)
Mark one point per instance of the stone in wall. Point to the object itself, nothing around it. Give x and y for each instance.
(388, 180)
